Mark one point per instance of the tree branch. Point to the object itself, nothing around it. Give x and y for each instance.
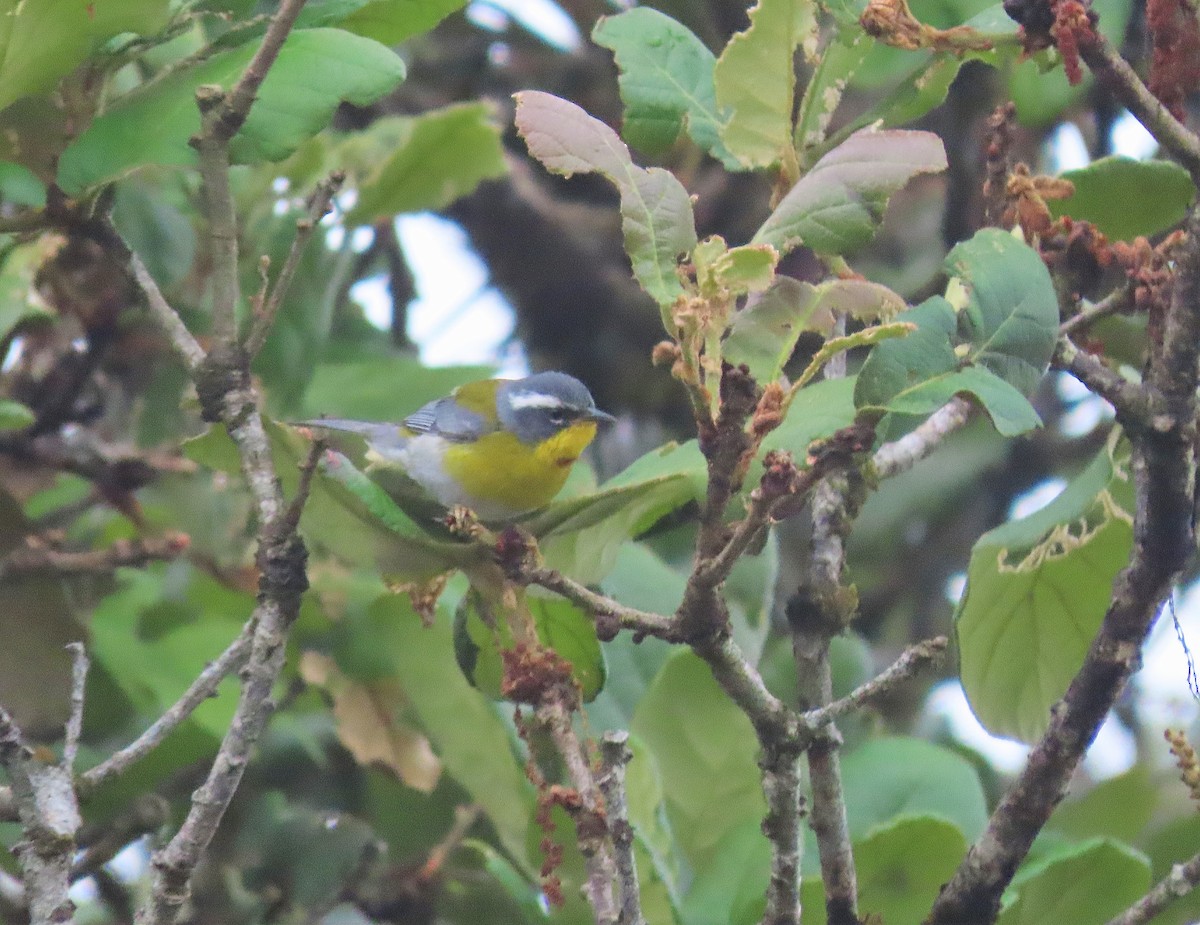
(319, 204)
(816, 614)
(1182, 879)
(1115, 302)
(79, 671)
(901, 455)
(614, 755)
(204, 687)
(228, 395)
(49, 816)
(1114, 72)
(912, 660)
(1163, 466)
(36, 556)
(1131, 401)
(591, 831)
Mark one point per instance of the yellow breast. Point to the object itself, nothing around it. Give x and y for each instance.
(501, 470)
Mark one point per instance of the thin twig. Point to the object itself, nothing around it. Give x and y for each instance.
(203, 688)
(901, 455)
(173, 865)
(614, 755)
(319, 204)
(1116, 74)
(49, 817)
(602, 608)
(79, 672)
(236, 104)
(912, 660)
(1182, 879)
(554, 713)
(186, 346)
(1115, 302)
(1129, 399)
(814, 618)
(38, 557)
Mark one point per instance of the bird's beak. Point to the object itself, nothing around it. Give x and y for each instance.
(601, 417)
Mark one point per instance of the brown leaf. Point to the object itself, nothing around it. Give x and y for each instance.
(367, 723)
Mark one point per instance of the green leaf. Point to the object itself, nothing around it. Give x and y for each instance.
(439, 156)
(817, 411)
(902, 866)
(394, 21)
(43, 40)
(1008, 325)
(838, 204)
(155, 229)
(346, 503)
(382, 388)
(1120, 807)
(704, 747)
(730, 889)
(1011, 315)
(348, 513)
(666, 82)
(755, 80)
(582, 536)
(463, 726)
(891, 777)
(526, 895)
(641, 579)
(656, 211)
(763, 335)
(316, 70)
(14, 415)
(560, 625)
(1125, 198)
(838, 61)
(155, 636)
(19, 185)
(923, 87)
(1037, 590)
(725, 271)
(1090, 884)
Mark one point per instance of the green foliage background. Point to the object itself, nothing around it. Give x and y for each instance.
(391, 720)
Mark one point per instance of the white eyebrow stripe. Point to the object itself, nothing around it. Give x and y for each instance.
(535, 400)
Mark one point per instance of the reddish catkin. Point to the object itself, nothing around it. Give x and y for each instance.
(1175, 58)
(1072, 26)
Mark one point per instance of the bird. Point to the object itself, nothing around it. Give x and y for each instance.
(499, 447)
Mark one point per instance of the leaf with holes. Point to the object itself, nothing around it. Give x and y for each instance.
(1037, 590)
(666, 82)
(755, 80)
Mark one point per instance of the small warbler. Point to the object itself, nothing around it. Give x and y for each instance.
(500, 447)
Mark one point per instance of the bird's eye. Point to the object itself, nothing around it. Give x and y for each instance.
(558, 417)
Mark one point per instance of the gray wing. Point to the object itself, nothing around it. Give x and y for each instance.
(446, 418)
